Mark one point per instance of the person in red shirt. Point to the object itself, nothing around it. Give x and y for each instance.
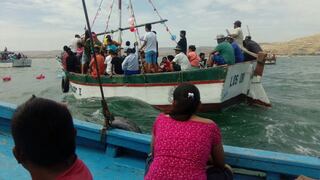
(101, 65)
(45, 141)
(165, 65)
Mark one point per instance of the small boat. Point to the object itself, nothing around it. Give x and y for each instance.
(271, 59)
(12, 59)
(105, 161)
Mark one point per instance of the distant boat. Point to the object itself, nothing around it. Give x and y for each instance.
(271, 59)
(11, 59)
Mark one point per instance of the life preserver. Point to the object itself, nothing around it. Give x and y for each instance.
(65, 84)
(125, 124)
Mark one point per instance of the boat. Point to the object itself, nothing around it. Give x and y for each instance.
(271, 59)
(103, 157)
(11, 59)
(220, 87)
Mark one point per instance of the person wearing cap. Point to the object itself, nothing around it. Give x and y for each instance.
(150, 45)
(222, 54)
(183, 42)
(251, 46)
(237, 33)
(130, 65)
(181, 59)
(237, 51)
(100, 60)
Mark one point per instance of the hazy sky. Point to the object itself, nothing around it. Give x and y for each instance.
(50, 24)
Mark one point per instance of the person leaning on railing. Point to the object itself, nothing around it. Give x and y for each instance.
(183, 143)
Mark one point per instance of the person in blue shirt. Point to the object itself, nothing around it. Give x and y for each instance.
(130, 65)
(239, 57)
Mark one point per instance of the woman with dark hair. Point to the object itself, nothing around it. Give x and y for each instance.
(182, 142)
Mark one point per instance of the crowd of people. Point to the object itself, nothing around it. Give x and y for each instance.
(231, 49)
(5, 55)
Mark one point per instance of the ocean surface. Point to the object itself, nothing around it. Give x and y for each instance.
(292, 124)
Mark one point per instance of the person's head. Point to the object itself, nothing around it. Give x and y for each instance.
(65, 48)
(182, 33)
(186, 101)
(237, 24)
(94, 36)
(230, 39)
(77, 36)
(148, 27)
(79, 45)
(86, 35)
(43, 134)
(164, 59)
(220, 38)
(96, 49)
(178, 49)
(202, 55)
(247, 38)
(170, 57)
(192, 48)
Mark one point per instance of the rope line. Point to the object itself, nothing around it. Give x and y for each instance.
(97, 14)
(165, 25)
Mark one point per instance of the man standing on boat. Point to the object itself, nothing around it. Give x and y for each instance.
(237, 33)
(183, 42)
(150, 45)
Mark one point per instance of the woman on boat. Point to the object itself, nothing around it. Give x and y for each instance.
(182, 142)
(193, 57)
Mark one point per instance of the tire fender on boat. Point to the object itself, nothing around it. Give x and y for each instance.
(125, 124)
(65, 84)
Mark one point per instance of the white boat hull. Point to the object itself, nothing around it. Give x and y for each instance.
(214, 94)
(5, 64)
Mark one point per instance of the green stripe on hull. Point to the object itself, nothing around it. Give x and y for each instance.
(216, 73)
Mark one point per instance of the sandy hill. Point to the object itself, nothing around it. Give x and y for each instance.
(309, 45)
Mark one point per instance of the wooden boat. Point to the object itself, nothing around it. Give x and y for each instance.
(220, 87)
(105, 162)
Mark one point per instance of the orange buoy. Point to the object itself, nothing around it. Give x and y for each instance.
(6, 78)
(41, 76)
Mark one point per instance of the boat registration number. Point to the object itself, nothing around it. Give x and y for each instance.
(237, 79)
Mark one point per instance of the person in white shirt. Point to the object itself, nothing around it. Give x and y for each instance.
(107, 62)
(130, 65)
(181, 59)
(237, 33)
(150, 45)
(74, 43)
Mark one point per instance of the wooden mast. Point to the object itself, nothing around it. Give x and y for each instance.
(120, 20)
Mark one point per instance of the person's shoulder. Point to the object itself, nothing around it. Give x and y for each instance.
(203, 120)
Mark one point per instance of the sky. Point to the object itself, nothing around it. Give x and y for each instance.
(51, 24)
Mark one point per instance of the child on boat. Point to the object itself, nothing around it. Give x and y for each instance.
(44, 138)
(182, 142)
